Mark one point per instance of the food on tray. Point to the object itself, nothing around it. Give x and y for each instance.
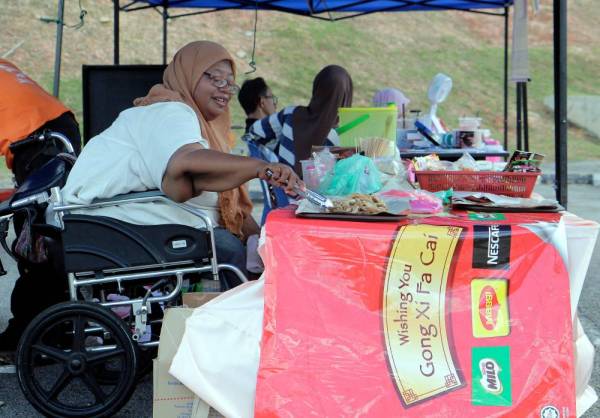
(359, 204)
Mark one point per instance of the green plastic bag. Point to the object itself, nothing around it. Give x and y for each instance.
(356, 174)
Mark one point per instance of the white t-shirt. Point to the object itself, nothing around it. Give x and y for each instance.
(132, 156)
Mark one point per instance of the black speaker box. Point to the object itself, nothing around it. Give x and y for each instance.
(110, 89)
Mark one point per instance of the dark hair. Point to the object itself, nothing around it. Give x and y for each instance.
(251, 92)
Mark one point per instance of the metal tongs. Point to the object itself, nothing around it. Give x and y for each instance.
(313, 197)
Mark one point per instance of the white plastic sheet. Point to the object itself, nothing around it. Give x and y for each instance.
(219, 353)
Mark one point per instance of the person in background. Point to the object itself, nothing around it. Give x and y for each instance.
(389, 96)
(290, 133)
(257, 100)
(26, 109)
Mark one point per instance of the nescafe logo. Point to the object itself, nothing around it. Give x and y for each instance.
(491, 246)
(488, 308)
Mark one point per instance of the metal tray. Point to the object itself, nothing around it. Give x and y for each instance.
(353, 217)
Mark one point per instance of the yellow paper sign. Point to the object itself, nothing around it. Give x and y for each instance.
(489, 308)
(414, 300)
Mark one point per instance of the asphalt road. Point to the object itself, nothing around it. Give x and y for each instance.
(584, 201)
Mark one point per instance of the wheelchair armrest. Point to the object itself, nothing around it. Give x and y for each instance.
(138, 197)
(122, 198)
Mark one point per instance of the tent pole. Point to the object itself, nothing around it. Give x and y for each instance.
(58, 52)
(116, 34)
(506, 78)
(525, 118)
(560, 99)
(164, 17)
(519, 115)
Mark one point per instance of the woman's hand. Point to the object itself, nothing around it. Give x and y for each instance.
(281, 175)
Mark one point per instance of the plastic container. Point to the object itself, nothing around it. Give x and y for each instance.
(310, 174)
(502, 183)
(470, 139)
(408, 122)
(469, 123)
(373, 122)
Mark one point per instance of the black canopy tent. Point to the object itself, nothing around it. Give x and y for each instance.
(322, 9)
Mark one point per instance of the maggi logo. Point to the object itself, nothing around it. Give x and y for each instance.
(488, 308)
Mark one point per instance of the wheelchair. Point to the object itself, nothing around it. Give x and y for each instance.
(82, 357)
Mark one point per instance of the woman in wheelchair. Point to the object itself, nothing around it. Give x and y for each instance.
(176, 139)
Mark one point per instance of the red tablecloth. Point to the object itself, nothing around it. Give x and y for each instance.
(432, 317)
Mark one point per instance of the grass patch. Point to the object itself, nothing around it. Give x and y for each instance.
(402, 50)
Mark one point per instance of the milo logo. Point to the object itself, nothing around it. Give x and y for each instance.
(488, 308)
(491, 376)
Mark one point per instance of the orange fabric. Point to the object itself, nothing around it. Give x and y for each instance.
(179, 81)
(24, 107)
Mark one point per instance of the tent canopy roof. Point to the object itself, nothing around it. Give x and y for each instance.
(317, 7)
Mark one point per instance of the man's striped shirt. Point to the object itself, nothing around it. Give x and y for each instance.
(275, 137)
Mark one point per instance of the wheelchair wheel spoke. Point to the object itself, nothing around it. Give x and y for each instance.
(59, 385)
(96, 358)
(52, 352)
(78, 333)
(92, 385)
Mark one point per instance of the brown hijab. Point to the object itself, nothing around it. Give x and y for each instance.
(179, 81)
(332, 89)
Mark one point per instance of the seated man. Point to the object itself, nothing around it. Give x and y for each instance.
(26, 108)
(257, 100)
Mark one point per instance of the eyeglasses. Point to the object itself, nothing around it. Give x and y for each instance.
(223, 83)
(272, 97)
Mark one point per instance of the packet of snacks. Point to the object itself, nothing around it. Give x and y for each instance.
(423, 163)
(432, 162)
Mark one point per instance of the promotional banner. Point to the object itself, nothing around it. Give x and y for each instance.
(435, 317)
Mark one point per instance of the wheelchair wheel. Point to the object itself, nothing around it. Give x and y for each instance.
(107, 375)
(59, 352)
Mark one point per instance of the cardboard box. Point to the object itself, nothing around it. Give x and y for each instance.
(196, 299)
(171, 399)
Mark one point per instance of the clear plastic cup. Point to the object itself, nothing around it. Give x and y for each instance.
(310, 174)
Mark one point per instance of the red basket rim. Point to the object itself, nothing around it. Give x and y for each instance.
(503, 173)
